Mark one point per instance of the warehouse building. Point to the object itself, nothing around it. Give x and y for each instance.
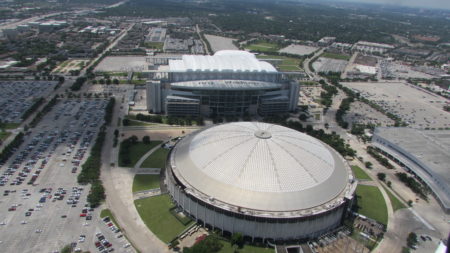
(265, 181)
(230, 82)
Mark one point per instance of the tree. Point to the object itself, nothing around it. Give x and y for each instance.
(237, 239)
(126, 122)
(115, 81)
(133, 139)
(368, 165)
(381, 176)
(303, 117)
(146, 139)
(411, 241)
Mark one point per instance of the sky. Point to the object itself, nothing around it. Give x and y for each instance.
(438, 4)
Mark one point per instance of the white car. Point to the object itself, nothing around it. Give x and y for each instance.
(23, 222)
(126, 245)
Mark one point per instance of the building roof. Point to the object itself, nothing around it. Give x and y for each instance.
(427, 151)
(226, 85)
(260, 166)
(221, 61)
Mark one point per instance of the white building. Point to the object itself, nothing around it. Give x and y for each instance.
(229, 82)
(265, 181)
(371, 47)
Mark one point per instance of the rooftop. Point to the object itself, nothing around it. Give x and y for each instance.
(221, 61)
(429, 149)
(260, 166)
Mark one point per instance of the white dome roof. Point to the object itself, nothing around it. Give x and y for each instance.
(260, 166)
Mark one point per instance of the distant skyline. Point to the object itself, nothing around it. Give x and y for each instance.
(436, 4)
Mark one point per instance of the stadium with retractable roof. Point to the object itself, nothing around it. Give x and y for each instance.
(265, 181)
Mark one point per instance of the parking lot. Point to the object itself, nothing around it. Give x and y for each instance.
(419, 109)
(329, 65)
(361, 113)
(122, 64)
(17, 96)
(44, 208)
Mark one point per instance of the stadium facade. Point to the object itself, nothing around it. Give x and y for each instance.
(230, 82)
(265, 181)
(425, 153)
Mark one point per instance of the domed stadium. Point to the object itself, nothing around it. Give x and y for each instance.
(263, 180)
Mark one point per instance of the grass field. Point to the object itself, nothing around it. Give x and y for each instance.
(157, 159)
(10, 125)
(396, 204)
(139, 123)
(4, 135)
(139, 149)
(145, 182)
(335, 56)
(287, 64)
(155, 212)
(154, 45)
(371, 203)
(360, 173)
(263, 46)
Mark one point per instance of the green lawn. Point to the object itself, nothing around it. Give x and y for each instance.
(396, 204)
(360, 173)
(4, 135)
(157, 159)
(154, 45)
(227, 248)
(155, 212)
(139, 123)
(371, 203)
(145, 182)
(263, 46)
(287, 64)
(107, 212)
(335, 56)
(10, 125)
(138, 150)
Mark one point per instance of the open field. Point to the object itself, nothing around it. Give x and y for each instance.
(360, 173)
(371, 203)
(263, 46)
(139, 149)
(70, 65)
(122, 64)
(298, 49)
(287, 63)
(157, 159)
(335, 56)
(220, 43)
(416, 107)
(145, 182)
(155, 212)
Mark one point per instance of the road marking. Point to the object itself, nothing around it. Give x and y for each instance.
(428, 225)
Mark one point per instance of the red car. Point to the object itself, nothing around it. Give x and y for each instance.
(82, 215)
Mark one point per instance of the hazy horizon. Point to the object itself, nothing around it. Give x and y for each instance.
(435, 4)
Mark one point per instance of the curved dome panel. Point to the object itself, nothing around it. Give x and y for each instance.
(260, 166)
